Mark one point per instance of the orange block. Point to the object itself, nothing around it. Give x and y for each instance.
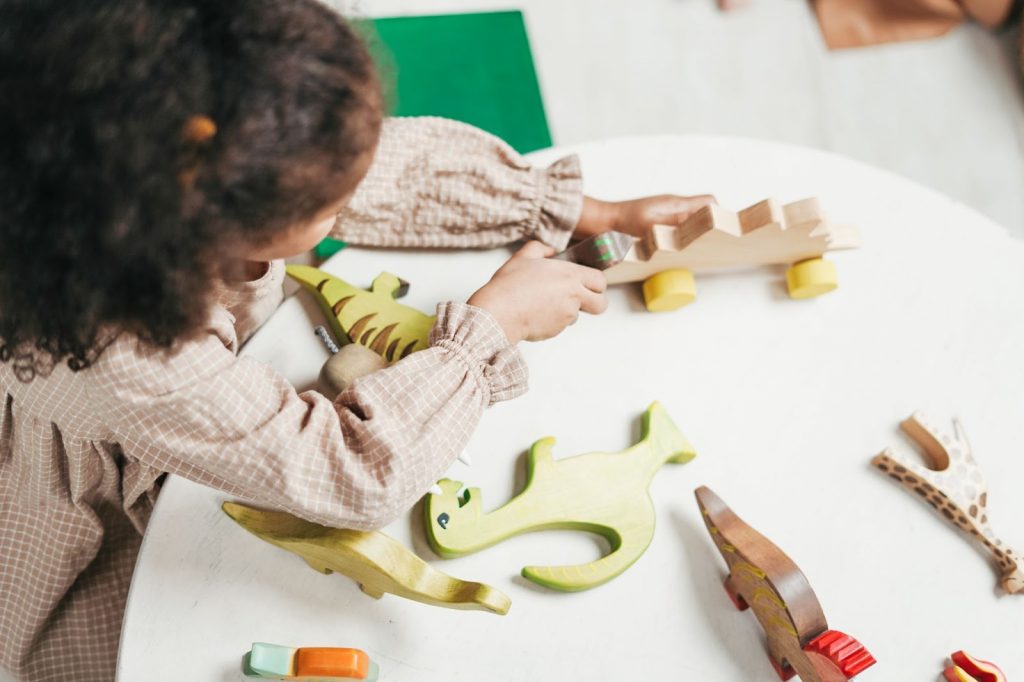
(331, 662)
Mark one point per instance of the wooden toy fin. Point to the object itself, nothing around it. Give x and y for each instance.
(954, 486)
(389, 285)
(370, 318)
(377, 562)
(966, 668)
(765, 580)
(603, 493)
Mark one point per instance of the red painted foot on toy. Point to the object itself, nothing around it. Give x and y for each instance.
(837, 652)
(784, 671)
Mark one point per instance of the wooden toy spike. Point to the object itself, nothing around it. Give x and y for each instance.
(603, 493)
(762, 578)
(311, 664)
(952, 484)
(369, 318)
(377, 562)
(966, 668)
(766, 233)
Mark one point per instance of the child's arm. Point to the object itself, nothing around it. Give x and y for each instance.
(435, 182)
(235, 424)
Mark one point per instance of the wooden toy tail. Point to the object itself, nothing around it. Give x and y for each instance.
(664, 437)
(848, 655)
(586, 576)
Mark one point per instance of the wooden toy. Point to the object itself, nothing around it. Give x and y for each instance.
(766, 233)
(966, 668)
(952, 484)
(314, 664)
(348, 364)
(601, 251)
(602, 493)
(762, 578)
(377, 562)
(371, 318)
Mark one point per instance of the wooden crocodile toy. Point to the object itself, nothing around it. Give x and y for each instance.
(371, 318)
(953, 485)
(602, 493)
(666, 257)
(377, 562)
(762, 578)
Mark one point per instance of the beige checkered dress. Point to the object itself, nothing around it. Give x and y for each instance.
(82, 454)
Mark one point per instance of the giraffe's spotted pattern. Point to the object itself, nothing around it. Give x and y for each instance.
(956, 490)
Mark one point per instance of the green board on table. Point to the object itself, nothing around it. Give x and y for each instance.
(475, 68)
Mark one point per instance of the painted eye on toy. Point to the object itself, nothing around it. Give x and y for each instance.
(442, 520)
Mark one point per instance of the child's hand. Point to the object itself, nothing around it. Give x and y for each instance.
(635, 216)
(534, 298)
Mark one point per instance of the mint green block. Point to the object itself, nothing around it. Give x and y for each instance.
(270, 661)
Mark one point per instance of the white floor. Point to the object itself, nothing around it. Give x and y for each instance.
(947, 112)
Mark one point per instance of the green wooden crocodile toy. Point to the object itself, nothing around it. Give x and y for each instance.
(371, 318)
(602, 493)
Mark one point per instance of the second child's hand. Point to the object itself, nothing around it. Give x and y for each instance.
(637, 215)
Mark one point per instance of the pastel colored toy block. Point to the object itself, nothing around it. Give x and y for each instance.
(953, 485)
(270, 661)
(377, 562)
(767, 233)
(371, 318)
(328, 662)
(602, 493)
(601, 251)
(311, 664)
(765, 580)
(966, 668)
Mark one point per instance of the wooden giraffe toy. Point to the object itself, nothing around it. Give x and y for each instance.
(762, 578)
(966, 668)
(952, 484)
(603, 493)
(377, 562)
(766, 233)
(370, 318)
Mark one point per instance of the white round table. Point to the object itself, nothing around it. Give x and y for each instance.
(785, 401)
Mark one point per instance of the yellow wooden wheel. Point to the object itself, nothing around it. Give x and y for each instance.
(811, 277)
(669, 290)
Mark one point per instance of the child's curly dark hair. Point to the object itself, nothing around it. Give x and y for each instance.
(117, 195)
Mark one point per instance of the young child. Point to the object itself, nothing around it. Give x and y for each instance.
(157, 160)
